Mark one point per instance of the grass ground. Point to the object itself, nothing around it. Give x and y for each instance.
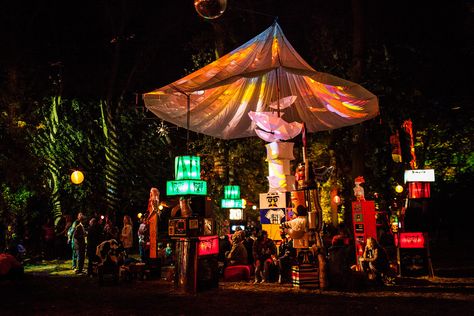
(51, 288)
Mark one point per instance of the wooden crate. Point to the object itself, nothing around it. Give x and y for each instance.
(305, 276)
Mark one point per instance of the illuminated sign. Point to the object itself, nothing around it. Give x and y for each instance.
(208, 246)
(236, 214)
(412, 240)
(421, 175)
(359, 228)
(272, 200)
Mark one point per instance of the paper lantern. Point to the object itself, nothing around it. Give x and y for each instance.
(77, 177)
(399, 188)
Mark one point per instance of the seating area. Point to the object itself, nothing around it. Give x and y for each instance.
(237, 273)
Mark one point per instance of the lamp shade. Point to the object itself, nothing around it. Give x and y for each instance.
(187, 171)
(77, 177)
(187, 168)
(232, 203)
(231, 192)
(186, 187)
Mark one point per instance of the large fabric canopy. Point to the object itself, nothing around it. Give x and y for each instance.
(218, 97)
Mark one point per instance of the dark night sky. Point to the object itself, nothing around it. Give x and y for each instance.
(431, 40)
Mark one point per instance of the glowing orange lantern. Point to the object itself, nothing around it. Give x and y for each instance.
(77, 177)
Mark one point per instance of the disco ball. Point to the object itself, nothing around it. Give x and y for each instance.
(210, 9)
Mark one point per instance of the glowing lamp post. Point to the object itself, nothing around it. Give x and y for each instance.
(77, 177)
(187, 177)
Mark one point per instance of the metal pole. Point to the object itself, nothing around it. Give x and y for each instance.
(188, 118)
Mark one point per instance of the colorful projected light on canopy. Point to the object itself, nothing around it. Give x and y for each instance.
(188, 177)
(251, 78)
(232, 197)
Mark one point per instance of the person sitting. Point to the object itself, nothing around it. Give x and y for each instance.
(238, 254)
(10, 267)
(374, 261)
(110, 259)
(264, 252)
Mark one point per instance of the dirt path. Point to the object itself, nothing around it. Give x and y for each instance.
(40, 293)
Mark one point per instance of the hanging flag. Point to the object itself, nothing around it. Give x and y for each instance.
(408, 127)
(396, 148)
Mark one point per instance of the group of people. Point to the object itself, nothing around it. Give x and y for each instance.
(85, 241)
(269, 260)
(258, 250)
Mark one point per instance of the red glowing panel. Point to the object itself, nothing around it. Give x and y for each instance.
(412, 240)
(208, 245)
(418, 190)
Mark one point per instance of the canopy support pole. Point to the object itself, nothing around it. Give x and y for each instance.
(188, 118)
(188, 114)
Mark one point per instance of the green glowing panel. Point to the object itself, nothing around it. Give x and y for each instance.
(186, 187)
(232, 192)
(231, 203)
(187, 168)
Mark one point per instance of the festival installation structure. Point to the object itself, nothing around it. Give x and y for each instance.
(265, 88)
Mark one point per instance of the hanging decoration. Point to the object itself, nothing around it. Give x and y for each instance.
(210, 9)
(232, 197)
(188, 177)
(408, 127)
(396, 148)
(77, 177)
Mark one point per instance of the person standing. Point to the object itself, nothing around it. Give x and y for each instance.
(153, 219)
(94, 238)
(286, 259)
(70, 241)
(80, 243)
(48, 239)
(126, 236)
(143, 238)
(110, 230)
